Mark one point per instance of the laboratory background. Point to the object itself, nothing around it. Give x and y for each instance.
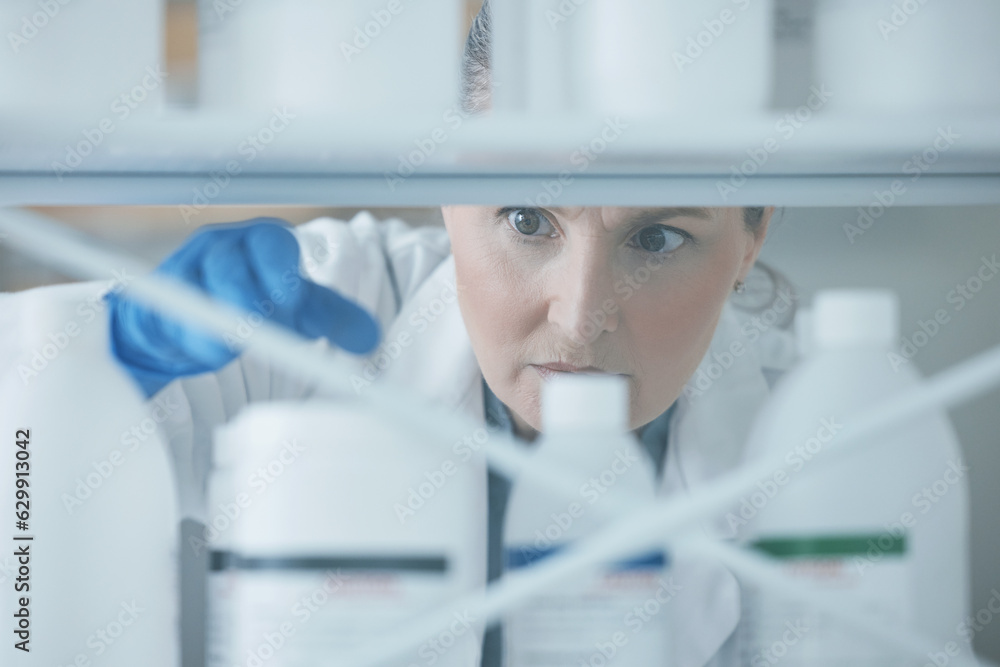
(128, 128)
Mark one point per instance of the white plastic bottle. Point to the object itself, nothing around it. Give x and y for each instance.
(100, 62)
(322, 57)
(887, 528)
(100, 577)
(592, 619)
(633, 57)
(329, 527)
(645, 58)
(894, 57)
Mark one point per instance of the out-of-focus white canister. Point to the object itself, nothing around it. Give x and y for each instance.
(909, 56)
(90, 576)
(318, 56)
(96, 60)
(330, 527)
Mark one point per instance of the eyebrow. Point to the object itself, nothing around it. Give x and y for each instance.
(649, 216)
(653, 215)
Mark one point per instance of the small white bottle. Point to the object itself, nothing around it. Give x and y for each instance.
(633, 57)
(890, 57)
(319, 57)
(591, 619)
(327, 525)
(100, 572)
(646, 58)
(886, 528)
(100, 63)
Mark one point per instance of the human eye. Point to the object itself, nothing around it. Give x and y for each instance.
(528, 222)
(659, 239)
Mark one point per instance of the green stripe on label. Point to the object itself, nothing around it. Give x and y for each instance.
(832, 547)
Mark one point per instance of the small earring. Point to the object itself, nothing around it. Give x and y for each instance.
(741, 287)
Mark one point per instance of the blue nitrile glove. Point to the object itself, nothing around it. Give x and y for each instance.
(254, 265)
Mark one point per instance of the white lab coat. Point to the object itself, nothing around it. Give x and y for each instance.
(405, 277)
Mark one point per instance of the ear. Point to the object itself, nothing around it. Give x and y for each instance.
(756, 243)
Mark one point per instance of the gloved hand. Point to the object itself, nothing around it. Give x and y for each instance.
(255, 261)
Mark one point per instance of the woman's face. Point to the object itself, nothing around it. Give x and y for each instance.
(631, 291)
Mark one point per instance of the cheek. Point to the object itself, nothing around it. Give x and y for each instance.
(671, 326)
(500, 307)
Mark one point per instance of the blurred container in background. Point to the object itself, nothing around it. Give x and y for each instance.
(909, 56)
(361, 57)
(328, 527)
(93, 58)
(634, 57)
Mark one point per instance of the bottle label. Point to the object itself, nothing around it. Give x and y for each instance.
(300, 611)
(615, 616)
(871, 570)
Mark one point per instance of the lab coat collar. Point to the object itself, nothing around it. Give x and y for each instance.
(711, 422)
(439, 364)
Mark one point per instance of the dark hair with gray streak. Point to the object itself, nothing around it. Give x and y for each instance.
(477, 85)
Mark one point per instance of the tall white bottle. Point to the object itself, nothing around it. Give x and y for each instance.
(320, 57)
(100, 63)
(98, 574)
(591, 619)
(887, 528)
(884, 57)
(693, 58)
(329, 527)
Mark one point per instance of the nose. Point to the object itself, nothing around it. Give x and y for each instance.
(582, 299)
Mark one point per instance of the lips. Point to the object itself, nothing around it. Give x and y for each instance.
(549, 371)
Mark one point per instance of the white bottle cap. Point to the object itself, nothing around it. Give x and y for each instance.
(579, 401)
(851, 318)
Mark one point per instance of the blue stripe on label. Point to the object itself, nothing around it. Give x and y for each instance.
(525, 555)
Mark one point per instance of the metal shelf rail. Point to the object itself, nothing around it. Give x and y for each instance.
(199, 158)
